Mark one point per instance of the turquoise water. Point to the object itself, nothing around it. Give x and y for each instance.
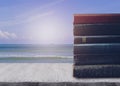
(36, 53)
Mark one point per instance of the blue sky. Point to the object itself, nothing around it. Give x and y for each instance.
(46, 21)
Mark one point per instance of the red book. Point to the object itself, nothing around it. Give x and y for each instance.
(96, 18)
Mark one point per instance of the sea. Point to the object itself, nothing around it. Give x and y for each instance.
(36, 53)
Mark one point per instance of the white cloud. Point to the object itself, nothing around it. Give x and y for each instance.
(7, 35)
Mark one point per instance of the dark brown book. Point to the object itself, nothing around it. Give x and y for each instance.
(96, 71)
(102, 39)
(97, 49)
(96, 30)
(96, 59)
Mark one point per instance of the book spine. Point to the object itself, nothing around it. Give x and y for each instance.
(96, 49)
(96, 59)
(102, 39)
(96, 71)
(96, 30)
(96, 19)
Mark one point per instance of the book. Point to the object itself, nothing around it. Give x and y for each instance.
(97, 59)
(97, 30)
(96, 39)
(96, 18)
(96, 71)
(97, 49)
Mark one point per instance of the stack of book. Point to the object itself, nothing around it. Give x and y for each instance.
(96, 45)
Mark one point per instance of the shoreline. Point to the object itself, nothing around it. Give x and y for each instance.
(35, 60)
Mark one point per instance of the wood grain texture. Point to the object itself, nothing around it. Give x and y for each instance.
(60, 84)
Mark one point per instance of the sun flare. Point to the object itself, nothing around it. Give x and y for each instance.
(46, 31)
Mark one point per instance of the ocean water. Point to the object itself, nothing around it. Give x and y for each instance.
(36, 53)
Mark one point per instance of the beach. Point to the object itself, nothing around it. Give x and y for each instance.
(40, 63)
(43, 72)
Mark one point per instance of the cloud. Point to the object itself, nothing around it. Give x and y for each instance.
(7, 35)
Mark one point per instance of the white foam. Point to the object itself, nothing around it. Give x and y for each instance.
(33, 56)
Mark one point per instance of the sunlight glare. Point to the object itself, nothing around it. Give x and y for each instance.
(47, 31)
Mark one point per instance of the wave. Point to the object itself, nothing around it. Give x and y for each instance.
(34, 56)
